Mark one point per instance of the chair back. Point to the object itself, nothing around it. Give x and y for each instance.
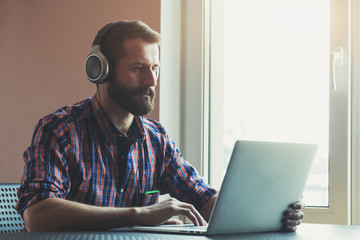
(10, 220)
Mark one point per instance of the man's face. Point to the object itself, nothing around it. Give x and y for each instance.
(135, 77)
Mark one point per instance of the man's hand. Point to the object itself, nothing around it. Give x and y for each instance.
(293, 217)
(160, 213)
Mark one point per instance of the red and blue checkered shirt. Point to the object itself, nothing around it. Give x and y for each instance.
(78, 154)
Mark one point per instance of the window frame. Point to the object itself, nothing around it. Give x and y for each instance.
(339, 210)
(355, 79)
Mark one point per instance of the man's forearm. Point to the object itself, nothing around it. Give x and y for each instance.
(208, 207)
(55, 214)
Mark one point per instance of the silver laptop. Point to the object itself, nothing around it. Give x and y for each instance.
(261, 181)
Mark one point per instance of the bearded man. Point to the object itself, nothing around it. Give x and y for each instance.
(100, 164)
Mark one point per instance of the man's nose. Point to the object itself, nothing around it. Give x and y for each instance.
(151, 78)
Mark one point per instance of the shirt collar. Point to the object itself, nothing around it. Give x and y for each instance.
(110, 130)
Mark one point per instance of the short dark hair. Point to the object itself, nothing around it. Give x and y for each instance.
(112, 42)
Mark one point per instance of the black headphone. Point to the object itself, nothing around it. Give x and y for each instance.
(97, 66)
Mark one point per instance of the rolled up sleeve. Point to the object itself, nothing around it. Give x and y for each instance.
(182, 181)
(45, 171)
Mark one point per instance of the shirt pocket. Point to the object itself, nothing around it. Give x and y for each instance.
(150, 199)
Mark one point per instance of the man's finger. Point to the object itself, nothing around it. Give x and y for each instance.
(291, 223)
(294, 215)
(289, 228)
(173, 221)
(298, 205)
(187, 212)
(192, 214)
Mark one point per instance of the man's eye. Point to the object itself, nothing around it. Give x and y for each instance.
(138, 68)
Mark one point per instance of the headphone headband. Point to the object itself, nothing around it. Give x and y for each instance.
(102, 32)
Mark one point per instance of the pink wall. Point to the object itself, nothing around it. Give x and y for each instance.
(43, 45)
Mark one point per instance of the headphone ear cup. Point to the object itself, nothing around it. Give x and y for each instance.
(97, 67)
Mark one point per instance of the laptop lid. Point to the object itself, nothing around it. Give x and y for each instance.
(261, 180)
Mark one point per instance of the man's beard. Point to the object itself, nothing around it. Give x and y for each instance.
(133, 100)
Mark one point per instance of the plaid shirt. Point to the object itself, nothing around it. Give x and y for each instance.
(78, 154)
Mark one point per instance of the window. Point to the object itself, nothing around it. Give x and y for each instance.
(281, 74)
(276, 79)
